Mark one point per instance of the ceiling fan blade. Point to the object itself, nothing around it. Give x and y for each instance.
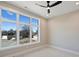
(48, 10)
(41, 5)
(58, 2)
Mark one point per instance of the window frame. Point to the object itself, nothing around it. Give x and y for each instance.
(17, 24)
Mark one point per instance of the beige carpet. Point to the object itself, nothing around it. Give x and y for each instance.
(47, 52)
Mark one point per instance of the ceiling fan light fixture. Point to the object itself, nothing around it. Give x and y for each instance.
(48, 7)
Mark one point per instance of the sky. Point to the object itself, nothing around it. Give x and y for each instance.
(12, 16)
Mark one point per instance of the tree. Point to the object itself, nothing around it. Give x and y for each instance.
(25, 27)
(10, 34)
(25, 32)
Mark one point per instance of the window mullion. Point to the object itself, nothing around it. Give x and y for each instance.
(0, 35)
(39, 31)
(17, 23)
(0, 29)
(30, 32)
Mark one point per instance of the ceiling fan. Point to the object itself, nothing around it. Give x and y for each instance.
(49, 6)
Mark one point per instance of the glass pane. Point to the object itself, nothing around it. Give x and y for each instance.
(34, 34)
(8, 15)
(24, 19)
(24, 34)
(35, 21)
(8, 34)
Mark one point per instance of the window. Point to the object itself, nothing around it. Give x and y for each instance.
(24, 34)
(35, 21)
(8, 15)
(34, 34)
(24, 19)
(18, 30)
(24, 29)
(35, 29)
(8, 36)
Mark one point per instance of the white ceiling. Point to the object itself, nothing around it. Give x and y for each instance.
(64, 7)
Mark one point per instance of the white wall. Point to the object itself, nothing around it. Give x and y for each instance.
(43, 32)
(64, 31)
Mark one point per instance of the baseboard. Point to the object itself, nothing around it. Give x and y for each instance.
(63, 49)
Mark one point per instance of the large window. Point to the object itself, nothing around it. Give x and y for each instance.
(17, 29)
